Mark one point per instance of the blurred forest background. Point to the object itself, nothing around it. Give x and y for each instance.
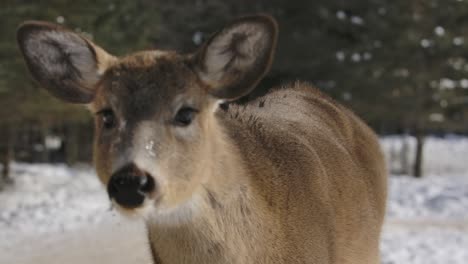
(401, 64)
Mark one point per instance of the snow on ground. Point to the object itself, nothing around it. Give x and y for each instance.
(51, 198)
(54, 209)
(427, 219)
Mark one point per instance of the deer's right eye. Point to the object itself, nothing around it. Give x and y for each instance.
(107, 118)
(185, 116)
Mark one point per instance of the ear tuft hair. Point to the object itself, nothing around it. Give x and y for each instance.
(235, 59)
(63, 62)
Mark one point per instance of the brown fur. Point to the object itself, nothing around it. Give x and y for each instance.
(292, 177)
(309, 188)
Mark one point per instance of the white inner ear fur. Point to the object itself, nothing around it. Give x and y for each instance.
(219, 54)
(55, 50)
(217, 104)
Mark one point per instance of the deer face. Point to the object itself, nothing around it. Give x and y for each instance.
(153, 110)
(154, 122)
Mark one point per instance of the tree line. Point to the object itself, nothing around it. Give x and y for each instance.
(401, 65)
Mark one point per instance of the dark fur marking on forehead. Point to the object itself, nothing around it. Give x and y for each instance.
(146, 83)
(147, 71)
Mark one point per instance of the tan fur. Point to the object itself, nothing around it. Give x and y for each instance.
(303, 181)
(292, 177)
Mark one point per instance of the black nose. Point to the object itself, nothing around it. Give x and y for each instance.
(129, 186)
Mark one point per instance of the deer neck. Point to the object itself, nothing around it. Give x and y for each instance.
(218, 214)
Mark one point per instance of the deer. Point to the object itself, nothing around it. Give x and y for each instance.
(289, 177)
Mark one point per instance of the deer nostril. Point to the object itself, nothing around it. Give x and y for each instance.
(147, 183)
(130, 186)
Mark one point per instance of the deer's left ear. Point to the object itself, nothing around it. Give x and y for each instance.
(236, 58)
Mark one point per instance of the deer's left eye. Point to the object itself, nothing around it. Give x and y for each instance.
(185, 116)
(108, 118)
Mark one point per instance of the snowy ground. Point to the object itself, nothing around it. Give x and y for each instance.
(427, 219)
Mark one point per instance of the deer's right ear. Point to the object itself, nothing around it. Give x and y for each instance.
(63, 62)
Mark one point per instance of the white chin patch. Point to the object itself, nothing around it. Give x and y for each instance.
(181, 214)
(143, 211)
(160, 214)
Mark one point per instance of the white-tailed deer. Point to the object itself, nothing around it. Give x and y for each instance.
(292, 177)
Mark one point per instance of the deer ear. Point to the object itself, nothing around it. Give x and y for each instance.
(63, 62)
(236, 58)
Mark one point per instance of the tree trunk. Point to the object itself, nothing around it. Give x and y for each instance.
(404, 156)
(6, 154)
(71, 144)
(417, 170)
(44, 131)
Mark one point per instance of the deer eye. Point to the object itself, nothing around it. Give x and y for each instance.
(185, 116)
(107, 117)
